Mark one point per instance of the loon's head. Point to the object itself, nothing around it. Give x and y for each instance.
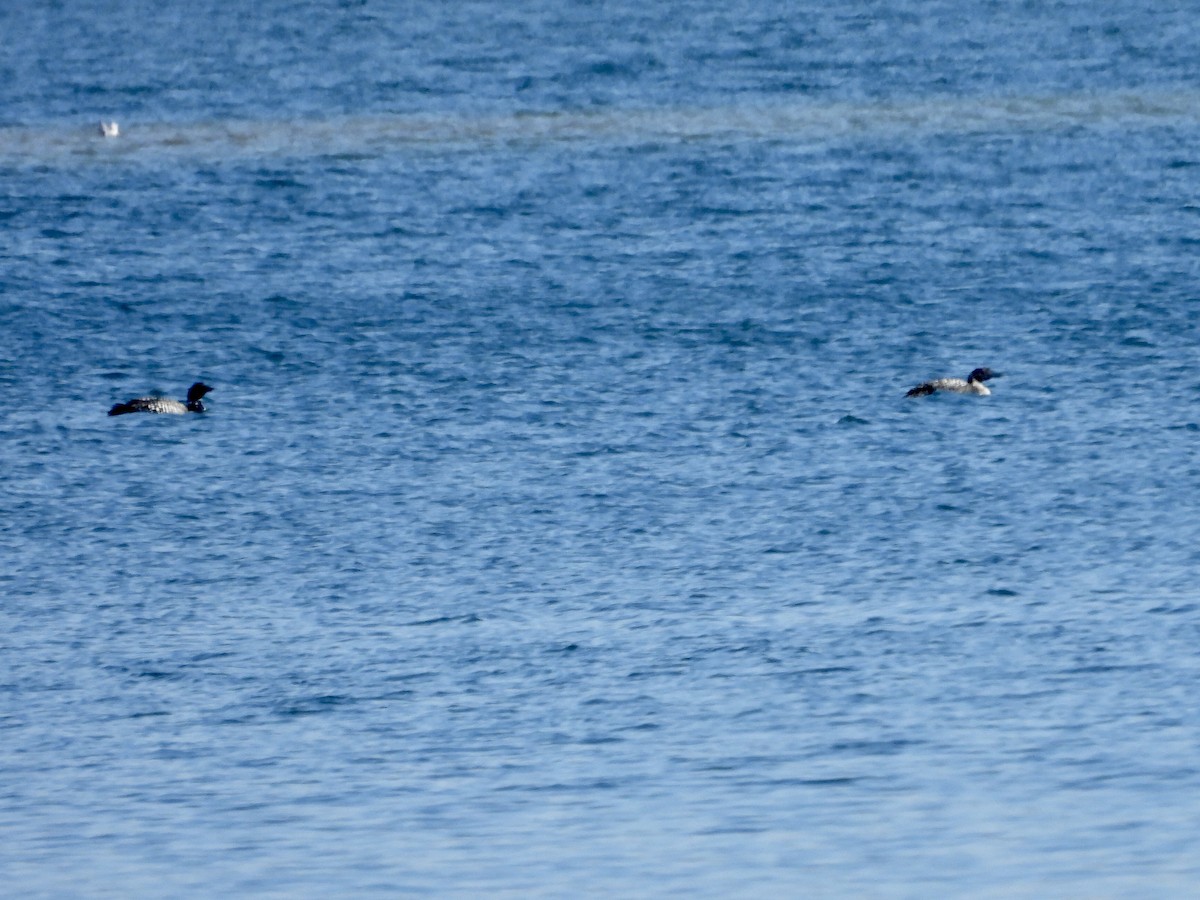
(197, 391)
(982, 375)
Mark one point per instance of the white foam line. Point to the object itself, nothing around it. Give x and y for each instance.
(800, 120)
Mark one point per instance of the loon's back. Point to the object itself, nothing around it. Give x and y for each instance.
(150, 405)
(952, 385)
(164, 404)
(972, 384)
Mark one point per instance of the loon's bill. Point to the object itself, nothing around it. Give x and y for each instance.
(165, 404)
(972, 384)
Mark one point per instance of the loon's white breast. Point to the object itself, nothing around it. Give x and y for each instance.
(972, 384)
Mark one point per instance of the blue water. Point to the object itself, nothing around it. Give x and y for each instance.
(559, 525)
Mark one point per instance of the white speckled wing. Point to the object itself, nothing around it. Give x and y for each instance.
(158, 405)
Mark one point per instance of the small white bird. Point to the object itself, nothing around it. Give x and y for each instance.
(973, 384)
(110, 129)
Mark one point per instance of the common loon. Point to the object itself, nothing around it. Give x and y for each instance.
(110, 129)
(974, 384)
(164, 404)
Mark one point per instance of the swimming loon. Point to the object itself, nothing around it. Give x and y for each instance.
(164, 404)
(974, 384)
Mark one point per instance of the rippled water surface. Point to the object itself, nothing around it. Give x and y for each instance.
(559, 524)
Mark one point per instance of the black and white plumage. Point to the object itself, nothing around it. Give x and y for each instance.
(165, 404)
(972, 384)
